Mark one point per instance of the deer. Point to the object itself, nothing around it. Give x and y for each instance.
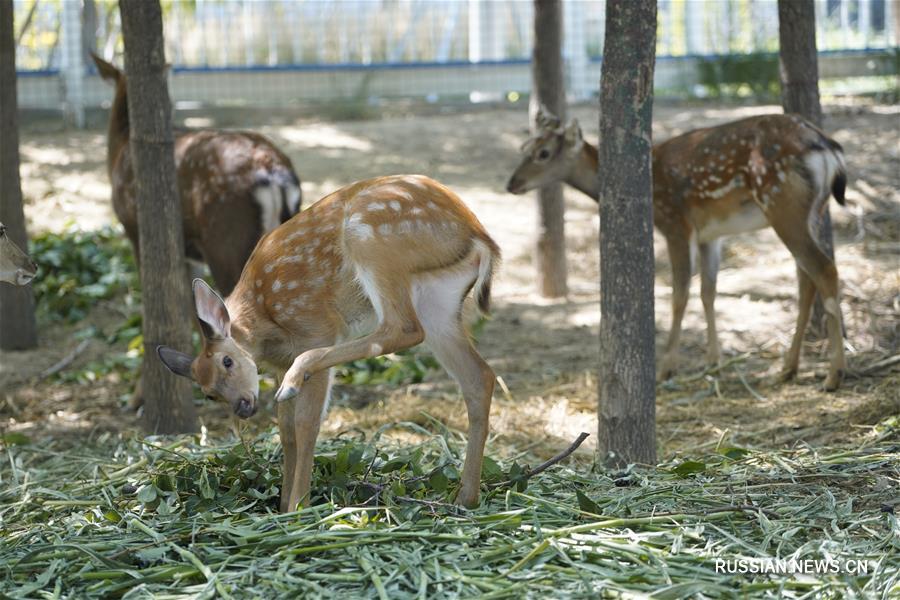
(234, 187)
(773, 171)
(16, 267)
(390, 259)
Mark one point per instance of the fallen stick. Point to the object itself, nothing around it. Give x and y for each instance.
(549, 463)
(65, 362)
(881, 364)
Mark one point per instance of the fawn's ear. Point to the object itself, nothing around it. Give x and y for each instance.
(546, 119)
(573, 133)
(107, 71)
(211, 312)
(177, 362)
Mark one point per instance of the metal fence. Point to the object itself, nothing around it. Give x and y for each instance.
(284, 52)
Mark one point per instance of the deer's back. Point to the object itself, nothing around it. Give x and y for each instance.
(729, 171)
(230, 186)
(303, 276)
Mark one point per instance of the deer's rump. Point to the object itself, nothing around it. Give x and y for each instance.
(234, 187)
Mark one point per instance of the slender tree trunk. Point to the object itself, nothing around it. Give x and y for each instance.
(550, 90)
(800, 94)
(17, 326)
(627, 409)
(168, 407)
(88, 29)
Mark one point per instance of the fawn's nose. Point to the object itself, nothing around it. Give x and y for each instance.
(245, 408)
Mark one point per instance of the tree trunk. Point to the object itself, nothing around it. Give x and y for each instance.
(627, 408)
(800, 95)
(550, 90)
(168, 407)
(17, 326)
(88, 30)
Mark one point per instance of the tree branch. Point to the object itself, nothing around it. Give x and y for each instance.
(546, 465)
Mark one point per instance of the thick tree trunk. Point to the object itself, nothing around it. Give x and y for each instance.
(550, 90)
(627, 409)
(800, 94)
(168, 407)
(17, 326)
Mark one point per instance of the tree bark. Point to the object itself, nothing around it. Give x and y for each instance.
(800, 95)
(550, 90)
(168, 407)
(627, 407)
(18, 330)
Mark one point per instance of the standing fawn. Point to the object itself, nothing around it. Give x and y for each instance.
(392, 256)
(15, 266)
(234, 186)
(771, 170)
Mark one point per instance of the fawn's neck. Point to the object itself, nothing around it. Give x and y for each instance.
(584, 174)
(118, 132)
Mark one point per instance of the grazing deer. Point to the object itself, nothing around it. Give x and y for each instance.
(15, 266)
(771, 170)
(234, 186)
(402, 251)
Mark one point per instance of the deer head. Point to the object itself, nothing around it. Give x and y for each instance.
(549, 155)
(223, 370)
(15, 266)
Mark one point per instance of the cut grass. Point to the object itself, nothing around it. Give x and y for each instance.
(174, 518)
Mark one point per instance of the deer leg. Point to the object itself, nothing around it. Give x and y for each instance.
(680, 257)
(438, 306)
(789, 219)
(710, 256)
(302, 419)
(398, 329)
(289, 447)
(476, 382)
(806, 294)
(822, 271)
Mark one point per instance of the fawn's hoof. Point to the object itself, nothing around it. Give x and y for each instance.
(467, 498)
(787, 374)
(834, 380)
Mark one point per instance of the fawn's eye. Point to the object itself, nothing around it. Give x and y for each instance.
(227, 362)
(544, 154)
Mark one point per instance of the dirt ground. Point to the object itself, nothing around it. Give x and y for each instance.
(545, 352)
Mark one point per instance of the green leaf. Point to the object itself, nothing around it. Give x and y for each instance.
(734, 453)
(586, 504)
(490, 469)
(689, 467)
(112, 516)
(165, 482)
(206, 489)
(146, 494)
(438, 481)
(14, 438)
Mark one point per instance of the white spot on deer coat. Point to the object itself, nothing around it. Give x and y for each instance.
(395, 205)
(385, 229)
(355, 227)
(276, 285)
(720, 192)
